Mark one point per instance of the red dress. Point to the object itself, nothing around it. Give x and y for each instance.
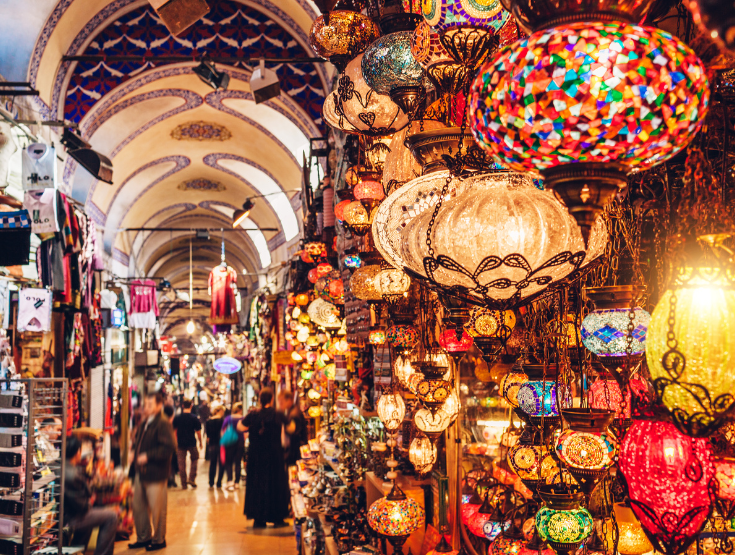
(222, 285)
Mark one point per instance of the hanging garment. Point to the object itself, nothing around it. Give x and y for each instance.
(222, 285)
(143, 296)
(108, 299)
(15, 237)
(34, 310)
(41, 206)
(4, 304)
(142, 320)
(39, 167)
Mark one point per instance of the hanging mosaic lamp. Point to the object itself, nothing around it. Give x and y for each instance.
(352, 261)
(422, 454)
(631, 539)
(369, 190)
(389, 68)
(562, 522)
(604, 393)
(400, 164)
(605, 330)
(537, 396)
(402, 338)
(376, 336)
(455, 346)
(690, 348)
(510, 384)
(533, 463)
(391, 409)
(396, 517)
(490, 330)
(535, 546)
(500, 222)
(356, 108)
(434, 389)
(363, 281)
(447, 75)
(339, 209)
(584, 103)
(340, 35)
(489, 521)
(668, 475)
(392, 284)
(587, 447)
(509, 542)
(431, 424)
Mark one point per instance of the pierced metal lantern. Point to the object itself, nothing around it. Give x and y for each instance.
(562, 521)
(391, 410)
(422, 454)
(392, 284)
(341, 35)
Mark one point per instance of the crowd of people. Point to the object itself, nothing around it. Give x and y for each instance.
(166, 444)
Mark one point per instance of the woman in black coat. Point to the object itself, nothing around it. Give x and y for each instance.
(266, 485)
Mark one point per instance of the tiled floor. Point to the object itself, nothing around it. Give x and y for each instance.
(210, 522)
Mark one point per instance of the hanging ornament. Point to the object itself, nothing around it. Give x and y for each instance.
(396, 517)
(391, 410)
(562, 521)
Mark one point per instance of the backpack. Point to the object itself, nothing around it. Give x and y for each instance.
(229, 436)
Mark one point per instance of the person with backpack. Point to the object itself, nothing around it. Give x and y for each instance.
(214, 431)
(232, 446)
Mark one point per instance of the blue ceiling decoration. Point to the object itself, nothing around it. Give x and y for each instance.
(230, 29)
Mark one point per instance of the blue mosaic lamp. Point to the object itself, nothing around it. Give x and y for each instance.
(353, 261)
(538, 397)
(605, 330)
(389, 67)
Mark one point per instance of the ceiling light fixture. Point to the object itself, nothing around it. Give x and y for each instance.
(207, 72)
(264, 83)
(239, 216)
(95, 163)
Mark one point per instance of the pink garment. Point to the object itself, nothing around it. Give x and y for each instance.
(143, 296)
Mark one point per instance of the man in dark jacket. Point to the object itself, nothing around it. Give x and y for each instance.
(78, 500)
(154, 446)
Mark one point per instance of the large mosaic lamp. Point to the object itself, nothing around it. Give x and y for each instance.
(388, 67)
(490, 242)
(587, 447)
(537, 396)
(341, 35)
(586, 102)
(605, 330)
(668, 476)
(533, 463)
(691, 348)
(395, 517)
(562, 522)
(356, 108)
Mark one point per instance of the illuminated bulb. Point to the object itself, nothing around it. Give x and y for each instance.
(190, 327)
(391, 410)
(422, 454)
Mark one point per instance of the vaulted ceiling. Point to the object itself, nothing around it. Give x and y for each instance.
(184, 155)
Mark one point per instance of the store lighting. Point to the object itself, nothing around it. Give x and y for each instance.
(264, 83)
(207, 72)
(190, 327)
(95, 163)
(239, 216)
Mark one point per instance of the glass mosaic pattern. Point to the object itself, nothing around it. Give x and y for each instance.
(505, 546)
(537, 398)
(589, 92)
(564, 526)
(442, 14)
(484, 322)
(531, 462)
(395, 518)
(426, 48)
(348, 33)
(402, 336)
(605, 332)
(353, 261)
(491, 528)
(388, 63)
(509, 386)
(586, 450)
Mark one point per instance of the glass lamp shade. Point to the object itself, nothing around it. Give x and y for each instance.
(340, 208)
(388, 64)
(532, 462)
(393, 518)
(587, 450)
(312, 275)
(605, 332)
(452, 405)
(324, 314)
(401, 207)
(302, 335)
(346, 34)
(323, 269)
(504, 545)
(368, 189)
(402, 337)
(316, 248)
(449, 341)
(376, 336)
(605, 394)
(467, 511)
(443, 14)
(355, 214)
(495, 215)
(352, 261)
(564, 526)
(362, 283)
(432, 392)
(431, 424)
(725, 476)
(391, 410)
(538, 398)
(392, 283)
(301, 299)
(667, 474)
(402, 369)
(488, 323)
(422, 454)
(426, 47)
(400, 164)
(509, 386)
(540, 104)
(704, 328)
(632, 539)
(356, 108)
(334, 291)
(413, 381)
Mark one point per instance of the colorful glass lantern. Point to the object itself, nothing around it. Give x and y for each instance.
(444, 14)
(699, 391)
(323, 269)
(506, 545)
(413, 381)
(432, 424)
(357, 217)
(725, 493)
(342, 35)
(447, 75)
(489, 323)
(668, 474)
(541, 107)
(422, 454)
(301, 299)
(605, 394)
(452, 344)
(396, 517)
(312, 276)
(432, 392)
(369, 190)
(587, 448)
(340, 208)
(324, 314)
(356, 108)
(391, 410)
(402, 369)
(352, 261)
(538, 398)
(334, 291)
(400, 164)
(392, 284)
(376, 336)
(632, 539)
(489, 521)
(402, 337)
(510, 384)
(562, 522)
(532, 463)
(362, 283)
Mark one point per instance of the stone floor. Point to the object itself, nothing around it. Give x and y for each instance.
(206, 521)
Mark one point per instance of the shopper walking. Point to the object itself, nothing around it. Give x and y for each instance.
(294, 431)
(266, 490)
(154, 446)
(232, 442)
(188, 439)
(168, 414)
(213, 429)
(78, 501)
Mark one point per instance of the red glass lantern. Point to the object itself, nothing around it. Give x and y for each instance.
(306, 257)
(668, 475)
(323, 269)
(369, 189)
(312, 276)
(452, 344)
(605, 394)
(725, 492)
(340, 209)
(302, 299)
